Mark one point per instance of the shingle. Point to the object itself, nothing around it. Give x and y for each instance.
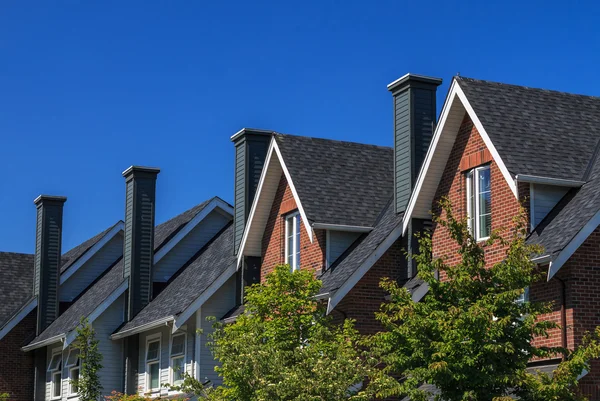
(339, 182)
(16, 283)
(112, 279)
(194, 278)
(537, 131)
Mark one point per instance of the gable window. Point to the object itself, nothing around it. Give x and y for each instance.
(153, 364)
(73, 366)
(177, 358)
(292, 240)
(55, 369)
(479, 195)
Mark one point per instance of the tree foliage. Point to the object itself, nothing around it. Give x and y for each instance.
(284, 347)
(88, 383)
(468, 337)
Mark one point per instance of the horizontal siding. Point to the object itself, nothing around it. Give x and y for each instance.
(189, 246)
(111, 375)
(545, 197)
(92, 269)
(402, 149)
(339, 241)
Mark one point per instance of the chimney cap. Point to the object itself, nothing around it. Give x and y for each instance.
(407, 78)
(49, 198)
(140, 169)
(253, 131)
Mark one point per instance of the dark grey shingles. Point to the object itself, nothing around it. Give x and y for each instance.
(70, 257)
(16, 283)
(200, 272)
(536, 131)
(349, 263)
(339, 182)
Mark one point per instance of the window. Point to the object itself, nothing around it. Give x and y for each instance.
(524, 297)
(479, 211)
(73, 365)
(177, 358)
(55, 369)
(292, 243)
(153, 364)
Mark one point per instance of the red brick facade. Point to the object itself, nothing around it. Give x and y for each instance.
(580, 274)
(16, 366)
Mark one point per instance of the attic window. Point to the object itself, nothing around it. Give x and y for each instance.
(479, 195)
(292, 240)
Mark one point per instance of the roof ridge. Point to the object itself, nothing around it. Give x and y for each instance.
(16, 253)
(463, 78)
(279, 134)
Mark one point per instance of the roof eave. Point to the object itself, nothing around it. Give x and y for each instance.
(534, 179)
(44, 343)
(144, 327)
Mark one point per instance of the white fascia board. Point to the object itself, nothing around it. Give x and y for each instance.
(145, 327)
(20, 315)
(92, 251)
(575, 243)
(44, 343)
(288, 177)
(213, 204)
(429, 156)
(364, 268)
(99, 310)
(534, 179)
(342, 227)
(202, 298)
(261, 182)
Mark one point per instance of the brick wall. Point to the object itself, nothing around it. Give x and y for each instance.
(16, 366)
(312, 255)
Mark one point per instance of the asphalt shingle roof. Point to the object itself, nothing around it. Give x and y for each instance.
(198, 274)
(16, 283)
(537, 131)
(339, 182)
(111, 280)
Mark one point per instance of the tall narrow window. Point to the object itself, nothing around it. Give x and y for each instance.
(153, 364)
(292, 243)
(479, 211)
(73, 366)
(177, 358)
(55, 369)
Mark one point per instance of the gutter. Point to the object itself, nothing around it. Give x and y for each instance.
(342, 227)
(542, 260)
(139, 329)
(534, 179)
(43, 343)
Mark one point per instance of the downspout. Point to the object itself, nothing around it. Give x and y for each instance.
(563, 313)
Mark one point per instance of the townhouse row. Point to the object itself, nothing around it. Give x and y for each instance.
(346, 211)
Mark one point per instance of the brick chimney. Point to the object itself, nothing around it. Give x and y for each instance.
(48, 239)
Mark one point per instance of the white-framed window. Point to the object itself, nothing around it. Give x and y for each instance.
(524, 297)
(74, 368)
(479, 195)
(153, 363)
(55, 369)
(178, 347)
(292, 240)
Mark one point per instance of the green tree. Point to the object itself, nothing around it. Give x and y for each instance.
(285, 347)
(468, 336)
(88, 384)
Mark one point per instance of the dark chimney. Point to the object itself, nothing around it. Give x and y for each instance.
(414, 123)
(251, 146)
(138, 246)
(48, 238)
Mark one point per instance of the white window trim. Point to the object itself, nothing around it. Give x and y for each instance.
(150, 339)
(294, 218)
(71, 368)
(473, 175)
(54, 372)
(171, 357)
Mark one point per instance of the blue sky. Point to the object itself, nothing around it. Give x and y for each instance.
(89, 88)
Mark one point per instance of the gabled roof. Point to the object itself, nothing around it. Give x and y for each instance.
(194, 279)
(70, 257)
(537, 131)
(16, 283)
(339, 182)
(107, 286)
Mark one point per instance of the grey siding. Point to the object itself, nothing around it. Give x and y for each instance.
(240, 193)
(424, 120)
(218, 305)
(92, 269)
(545, 197)
(111, 375)
(402, 149)
(189, 246)
(339, 241)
